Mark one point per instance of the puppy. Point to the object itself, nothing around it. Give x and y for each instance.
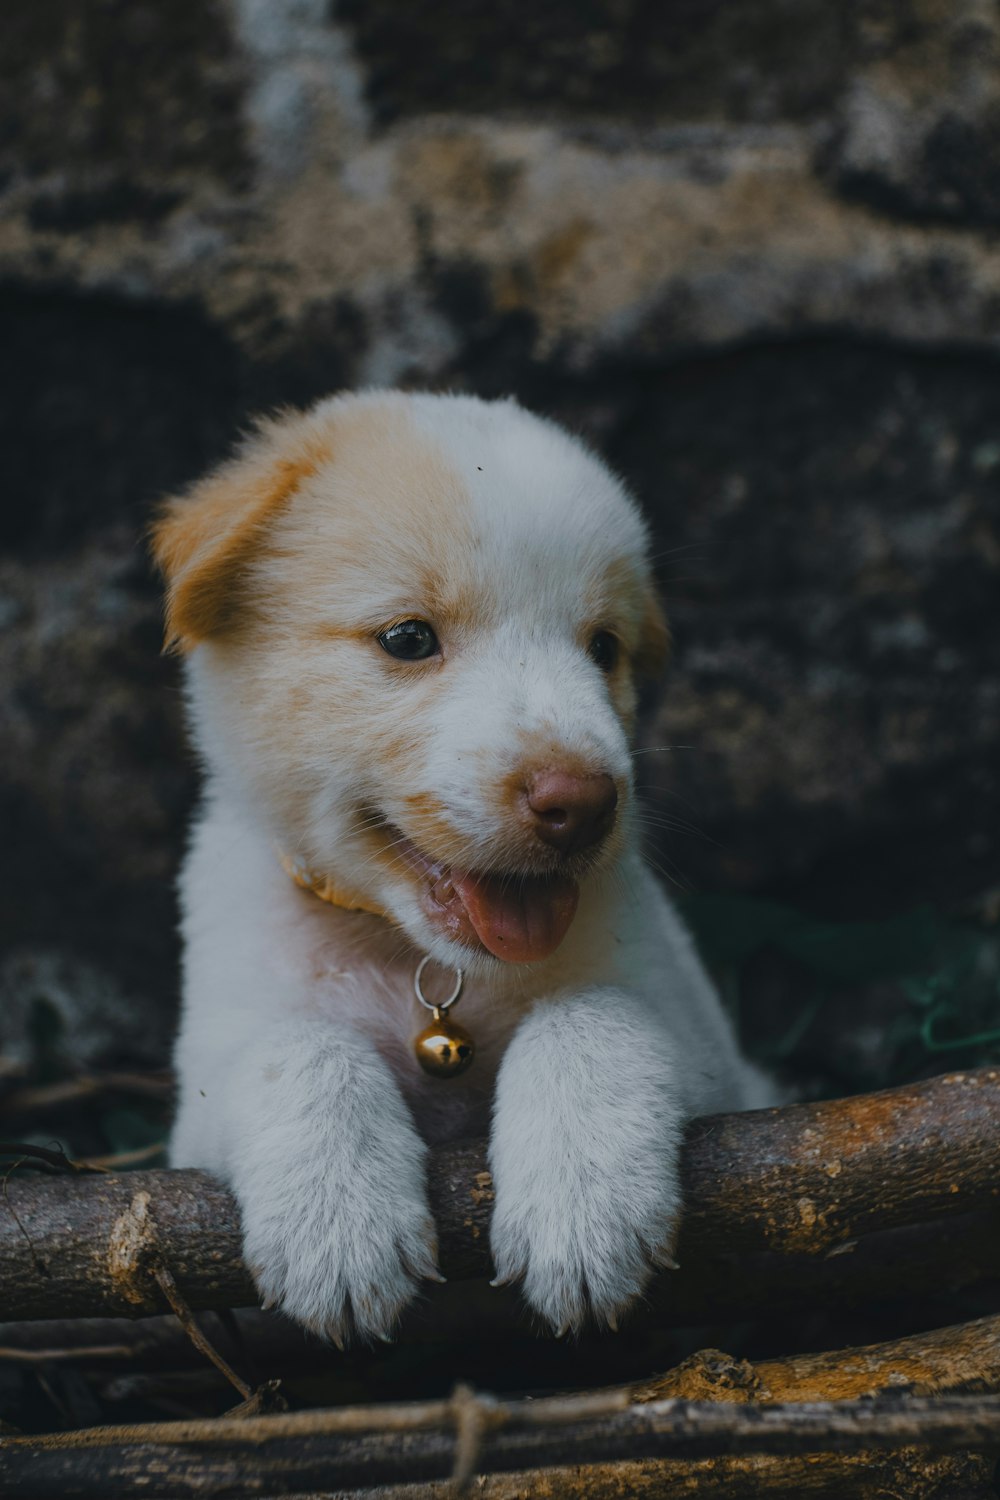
(413, 629)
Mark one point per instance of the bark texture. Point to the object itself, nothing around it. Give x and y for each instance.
(814, 1192)
(954, 1360)
(360, 1447)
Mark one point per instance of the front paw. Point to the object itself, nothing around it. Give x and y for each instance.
(338, 1260)
(583, 1235)
(585, 1149)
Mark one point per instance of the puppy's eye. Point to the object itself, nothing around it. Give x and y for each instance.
(603, 650)
(410, 640)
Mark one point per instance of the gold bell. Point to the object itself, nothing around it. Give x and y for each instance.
(444, 1049)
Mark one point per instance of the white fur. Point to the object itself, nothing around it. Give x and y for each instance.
(298, 1083)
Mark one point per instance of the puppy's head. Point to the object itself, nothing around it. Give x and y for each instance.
(415, 626)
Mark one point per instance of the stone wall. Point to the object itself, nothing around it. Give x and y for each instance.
(749, 247)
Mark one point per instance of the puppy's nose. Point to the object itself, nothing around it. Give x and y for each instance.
(570, 812)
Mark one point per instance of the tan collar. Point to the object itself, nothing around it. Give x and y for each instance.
(443, 1049)
(323, 887)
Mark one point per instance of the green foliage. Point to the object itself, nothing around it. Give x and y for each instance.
(924, 990)
(132, 1129)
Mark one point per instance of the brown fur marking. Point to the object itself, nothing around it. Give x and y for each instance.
(431, 825)
(204, 540)
(654, 640)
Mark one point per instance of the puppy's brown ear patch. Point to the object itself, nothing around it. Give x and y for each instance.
(654, 640)
(204, 540)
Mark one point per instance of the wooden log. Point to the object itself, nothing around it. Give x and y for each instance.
(82, 1245)
(907, 1475)
(360, 1447)
(960, 1359)
(945, 1361)
(799, 1187)
(811, 1178)
(931, 1262)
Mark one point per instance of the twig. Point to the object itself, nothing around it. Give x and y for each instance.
(889, 1419)
(42, 1158)
(80, 1355)
(53, 1159)
(124, 1159)
(473, 1417)
(40, 1098)
(189, 1323)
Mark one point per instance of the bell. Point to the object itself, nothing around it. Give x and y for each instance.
(443, 1048)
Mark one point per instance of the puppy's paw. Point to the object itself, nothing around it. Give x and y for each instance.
(341, 1269)
(583, 1238)
(330, 1177)
(585, 1148)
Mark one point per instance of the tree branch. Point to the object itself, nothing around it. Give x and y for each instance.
(357, 1446)
(804, 1201)
(945, 1361)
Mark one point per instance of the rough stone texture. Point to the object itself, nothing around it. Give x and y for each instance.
(747, 246)
(838, 520)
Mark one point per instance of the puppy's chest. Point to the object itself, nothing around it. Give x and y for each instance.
(379, 1001)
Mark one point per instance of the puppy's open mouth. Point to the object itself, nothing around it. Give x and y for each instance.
(520, 918)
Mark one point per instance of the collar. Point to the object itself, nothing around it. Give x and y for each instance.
(443, 1049)
(324, 887)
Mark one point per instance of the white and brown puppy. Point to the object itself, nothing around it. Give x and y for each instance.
(413, 628)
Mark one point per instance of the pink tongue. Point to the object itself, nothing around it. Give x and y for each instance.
(521, 920)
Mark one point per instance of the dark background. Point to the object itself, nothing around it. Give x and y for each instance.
(747, 247)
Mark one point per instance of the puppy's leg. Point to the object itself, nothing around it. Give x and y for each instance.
(328, 1169)
(584, 1153)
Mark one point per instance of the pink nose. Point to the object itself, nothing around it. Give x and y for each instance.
(568, 812)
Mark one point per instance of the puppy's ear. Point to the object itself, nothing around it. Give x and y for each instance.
(654, 641)
(205, 540)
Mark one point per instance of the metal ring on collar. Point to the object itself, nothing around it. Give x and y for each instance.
(442, 1005)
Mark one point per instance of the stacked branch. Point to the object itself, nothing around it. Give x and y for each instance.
(894, 1193)
(949, 1448)
(467, 1435)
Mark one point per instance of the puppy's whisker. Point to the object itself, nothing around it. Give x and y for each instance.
(659, 749)
(668, 870)
(654, 829)
(663, 791)
(664, 820)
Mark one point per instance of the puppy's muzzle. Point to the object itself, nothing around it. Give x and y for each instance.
(569, 813)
